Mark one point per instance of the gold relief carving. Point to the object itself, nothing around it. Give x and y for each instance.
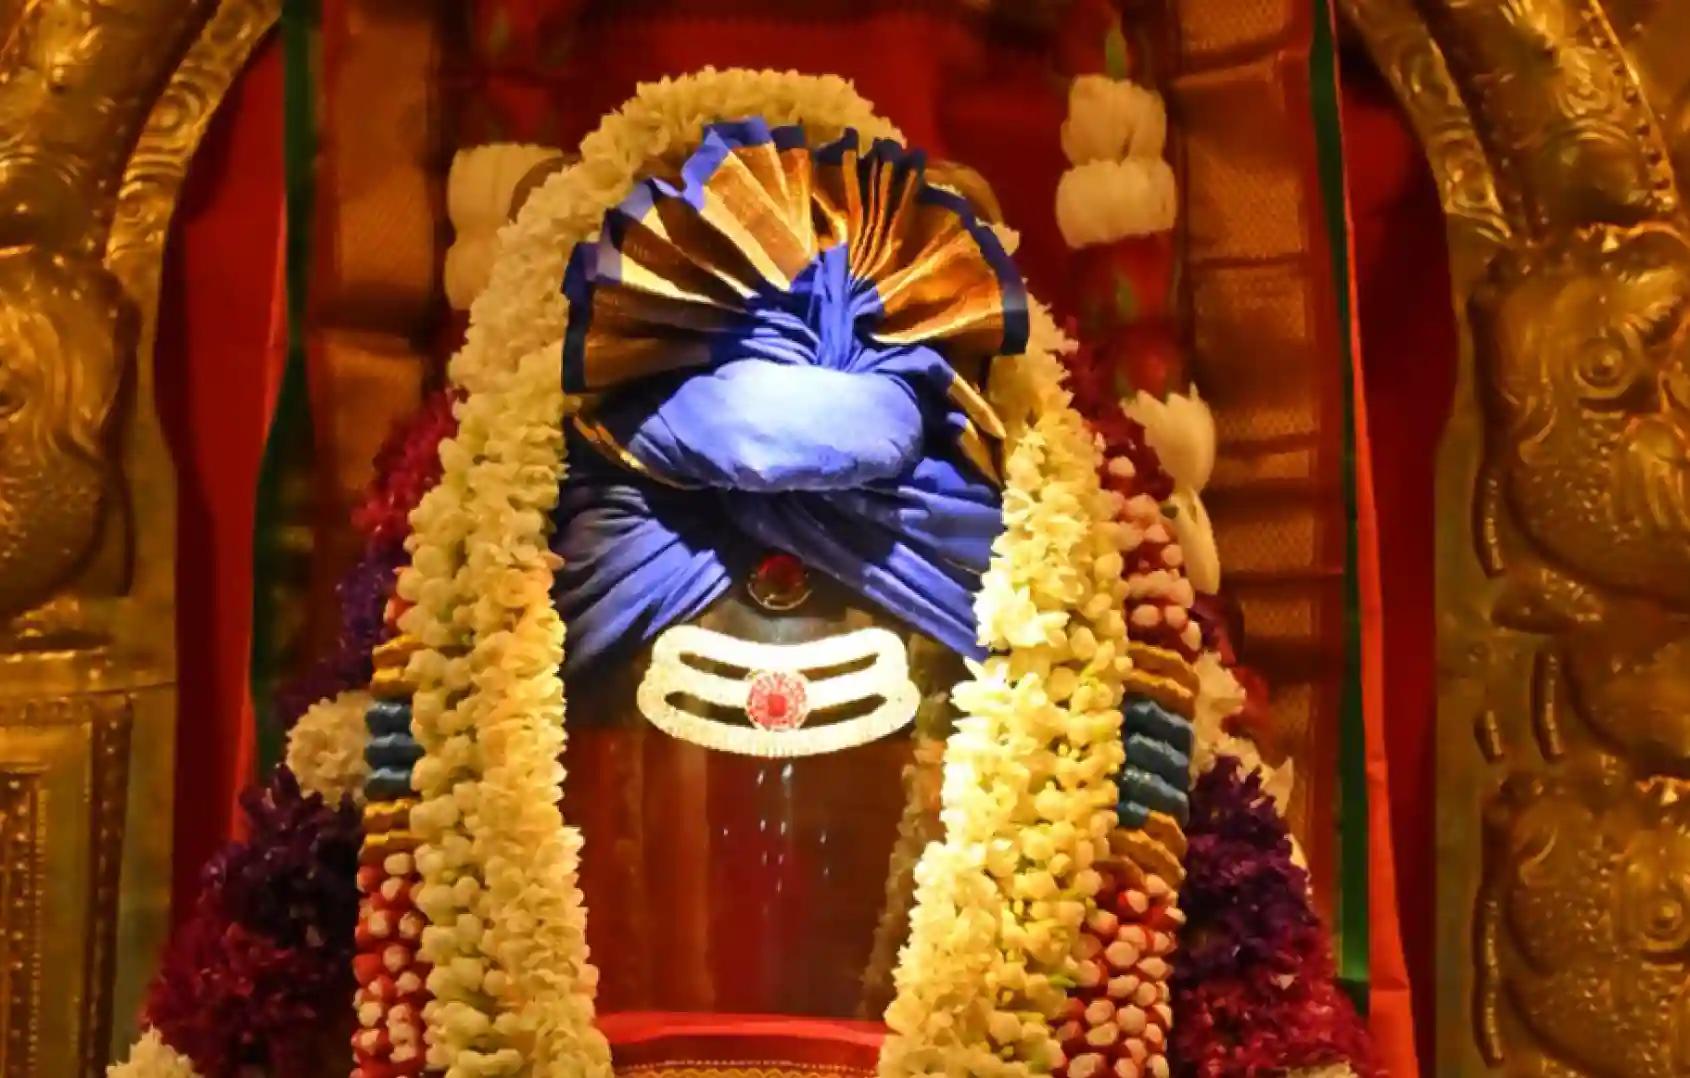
(63, 800)
(21, 871)
(59, 377)
(1563, 531)
(102, 103)
(1585, 908)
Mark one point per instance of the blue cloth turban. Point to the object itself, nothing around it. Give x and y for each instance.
(765, 347)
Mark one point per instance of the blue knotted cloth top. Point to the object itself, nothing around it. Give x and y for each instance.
(767, 348)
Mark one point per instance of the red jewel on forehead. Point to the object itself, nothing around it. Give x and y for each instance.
(779, 582)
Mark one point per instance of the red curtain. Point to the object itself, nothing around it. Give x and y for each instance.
(215, 372)
(1409, 352)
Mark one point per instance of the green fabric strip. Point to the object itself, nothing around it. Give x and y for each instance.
(1352, 910)
(283, 526)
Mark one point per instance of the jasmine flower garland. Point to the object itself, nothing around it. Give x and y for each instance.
(255, 973)
(1028, 804)
(512, 984)
(1028, 800)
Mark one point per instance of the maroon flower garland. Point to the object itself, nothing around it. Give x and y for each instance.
(264, 964)
(406, 467)
(1254, 985)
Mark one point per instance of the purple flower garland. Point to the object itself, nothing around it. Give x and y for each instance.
(1254, 990)
(263, 967)
(363, 594)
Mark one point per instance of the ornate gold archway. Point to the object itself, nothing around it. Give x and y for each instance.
(1557, 131)
(101, 107)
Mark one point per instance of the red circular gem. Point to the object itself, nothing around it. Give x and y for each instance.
(780, 582)
(776, 700)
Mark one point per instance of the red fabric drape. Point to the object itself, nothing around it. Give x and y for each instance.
(214, 370)
(1408, 350)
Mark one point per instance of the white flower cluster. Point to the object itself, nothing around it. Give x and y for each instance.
(479, 189)
(1219, 698)
(512, 984)
(1119, 185)
(1029, 796)
(1181, 430)
(326, 747)
(152, 1058)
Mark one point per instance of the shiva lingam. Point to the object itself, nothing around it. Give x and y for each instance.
(782, 491)
(742, 782)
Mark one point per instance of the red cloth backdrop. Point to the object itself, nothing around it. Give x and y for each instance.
(1409, 354)
(216, 369)
(215, 375)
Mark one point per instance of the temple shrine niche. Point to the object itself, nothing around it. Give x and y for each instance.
(702, 538)
(787, 629)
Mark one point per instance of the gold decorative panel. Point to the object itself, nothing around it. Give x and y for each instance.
(102, 103)
(62, 785)
(22, 868)
(1553, 128)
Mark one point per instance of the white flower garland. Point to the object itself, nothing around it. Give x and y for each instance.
(1103, 201)
(1028, 799)
(152, 1058)
(479, 189)
(325, 748)
(1181, 429)
(1110, 119)
(512, 984)
(1219, 698)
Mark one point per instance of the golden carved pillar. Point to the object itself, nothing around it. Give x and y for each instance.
(1558, 132)
(101, 106)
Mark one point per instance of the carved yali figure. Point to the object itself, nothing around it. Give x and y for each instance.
(1587, 899)
(62, 357)
(102, 104)
(1585, 495)
(1587, 364)
(1554, 132)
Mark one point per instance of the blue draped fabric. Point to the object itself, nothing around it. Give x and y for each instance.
(792, 422)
